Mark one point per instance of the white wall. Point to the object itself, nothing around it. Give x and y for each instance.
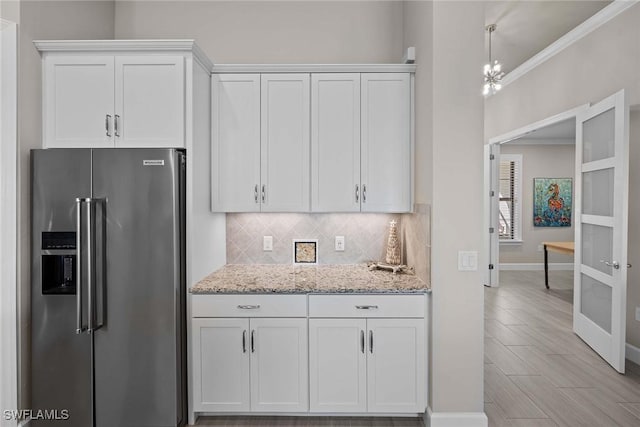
(598, 65)
(539, 161)
(43, 20)
(272, 31)
(457, 223)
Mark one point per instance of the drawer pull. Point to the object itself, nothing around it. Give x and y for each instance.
(249, 307)
(366, 307)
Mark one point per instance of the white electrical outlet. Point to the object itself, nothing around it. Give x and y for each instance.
(267, 243)
(638, 314)
(339, 243)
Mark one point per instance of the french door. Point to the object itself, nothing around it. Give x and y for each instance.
(601, 194)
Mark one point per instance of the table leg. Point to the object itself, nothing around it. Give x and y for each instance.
(546, 267)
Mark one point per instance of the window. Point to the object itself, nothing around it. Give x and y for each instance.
(510, 189)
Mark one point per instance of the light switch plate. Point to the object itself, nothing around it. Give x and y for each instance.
(467, 260)
(339, 243)
(267, 243)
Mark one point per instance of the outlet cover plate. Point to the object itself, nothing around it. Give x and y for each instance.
(339, 243)
(267, 243)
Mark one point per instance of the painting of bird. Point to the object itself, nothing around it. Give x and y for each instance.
(552, 202)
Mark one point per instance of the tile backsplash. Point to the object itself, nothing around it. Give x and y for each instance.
(365, 237)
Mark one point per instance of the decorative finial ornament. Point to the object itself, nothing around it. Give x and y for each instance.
(393, 245)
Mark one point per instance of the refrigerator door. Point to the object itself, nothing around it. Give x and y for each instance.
(139, 349)
(60, 358)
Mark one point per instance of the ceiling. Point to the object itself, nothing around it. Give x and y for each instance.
(558, 133)
(524, 28)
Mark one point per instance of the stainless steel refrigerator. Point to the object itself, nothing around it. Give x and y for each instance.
(108, 287)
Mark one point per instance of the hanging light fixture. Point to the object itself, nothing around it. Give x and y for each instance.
(493, 73)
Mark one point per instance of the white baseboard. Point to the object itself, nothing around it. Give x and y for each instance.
(455, 419)
(536, 266)
(633, 353)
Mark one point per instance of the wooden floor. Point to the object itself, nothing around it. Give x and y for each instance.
(537, 372)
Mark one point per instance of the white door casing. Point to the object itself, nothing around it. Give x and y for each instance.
(492, 200)
(601, 216)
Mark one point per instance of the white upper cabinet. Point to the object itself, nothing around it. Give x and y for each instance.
(119, 93)
(386, 142)
(328, 142)
(79, 101)
(285, 143)
(235, 138)
(335, 142)
(150, 101)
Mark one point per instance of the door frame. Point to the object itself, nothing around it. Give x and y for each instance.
(492, 243)
(8, 216)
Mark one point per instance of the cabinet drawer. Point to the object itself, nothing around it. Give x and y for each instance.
(249, 306)
(366, 306)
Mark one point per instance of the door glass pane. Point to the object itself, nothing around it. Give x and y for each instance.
(598, 137)
(596, 302)
(597, 244)
(597, 192)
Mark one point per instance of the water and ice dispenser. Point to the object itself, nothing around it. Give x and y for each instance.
(58, 262)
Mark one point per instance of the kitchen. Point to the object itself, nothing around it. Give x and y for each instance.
(380, 39)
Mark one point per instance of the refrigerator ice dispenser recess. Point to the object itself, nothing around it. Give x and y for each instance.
(58, 263)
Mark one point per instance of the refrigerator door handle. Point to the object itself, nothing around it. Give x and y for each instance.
(90, 270)
(79, 252)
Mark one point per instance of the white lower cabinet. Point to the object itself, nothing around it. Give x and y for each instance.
(367, 353)
(257, 364)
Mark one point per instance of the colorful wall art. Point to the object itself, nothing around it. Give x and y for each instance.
(552, 202)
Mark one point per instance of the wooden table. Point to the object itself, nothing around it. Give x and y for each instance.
(560, 247)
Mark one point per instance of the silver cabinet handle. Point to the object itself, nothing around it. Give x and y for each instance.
(116, 125)
(614, 264)
(244, 341)
(249, 307)
(255, 193)
(79, 251)
(357, 193)
(264, 193)
(107, 126)
(367, 307)
(253, 346)
(362, 341)
(371, 342)
(364, 193)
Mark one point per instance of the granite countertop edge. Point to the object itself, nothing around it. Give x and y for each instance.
(278, 279)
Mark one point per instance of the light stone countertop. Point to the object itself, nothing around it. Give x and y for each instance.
(289, 279)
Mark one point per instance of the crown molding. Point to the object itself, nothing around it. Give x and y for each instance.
(313, 68)
(186, 45)
(605, 15)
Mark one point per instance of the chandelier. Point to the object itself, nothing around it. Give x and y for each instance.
(493, 73)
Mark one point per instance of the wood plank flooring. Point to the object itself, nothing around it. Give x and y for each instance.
(537, 372)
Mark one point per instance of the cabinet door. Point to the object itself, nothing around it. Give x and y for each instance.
(279, 373)
(386, 142)
(78, 101)
(220, 365)
(150, 101)
(235, 139)
(285, 143)
(396, 365)
(335, 142)
(337, 365)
